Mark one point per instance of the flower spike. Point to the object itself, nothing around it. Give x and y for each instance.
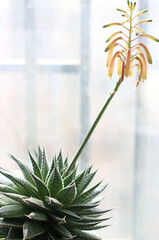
(129, 56)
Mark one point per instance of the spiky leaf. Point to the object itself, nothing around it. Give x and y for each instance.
(55, 182)
(67, 195)
(42, 188)
(12, 222)
(24, 168)
(35, 166)
(23, 185)
(44, 165)
(32, 229)
(39, 216)
(53, 202)
(10, 211)
(5, 188)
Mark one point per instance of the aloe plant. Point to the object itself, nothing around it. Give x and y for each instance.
(49, 202)
(55, 202)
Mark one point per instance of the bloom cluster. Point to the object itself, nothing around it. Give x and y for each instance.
(132, 53)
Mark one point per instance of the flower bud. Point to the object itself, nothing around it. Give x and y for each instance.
(147, 52)
(111, 64)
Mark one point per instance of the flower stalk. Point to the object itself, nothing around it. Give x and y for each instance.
(128, 57)
(89, 134)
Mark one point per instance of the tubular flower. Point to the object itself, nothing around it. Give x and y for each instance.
(128, 56)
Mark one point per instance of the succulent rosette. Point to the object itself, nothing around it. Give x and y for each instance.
(49, 202)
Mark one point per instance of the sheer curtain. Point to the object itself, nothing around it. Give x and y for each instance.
(53, 82)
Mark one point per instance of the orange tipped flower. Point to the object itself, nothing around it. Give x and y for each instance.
(141, 70)
(149, 36)
(147, 52)
(131, 69)
(111, 64)
(113, 35)
(129, 56)
(144, 73)
(110, 53)
(111, 43)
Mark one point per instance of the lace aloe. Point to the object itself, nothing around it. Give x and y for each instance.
(49, 202)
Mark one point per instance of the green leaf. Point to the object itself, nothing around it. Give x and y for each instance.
(82, 226)
(68, 180)
(11, 222)
(53, 202)
(24, 168)
(51, 169)
(55, 183)
(44, 165)
(82, 197)
(84, 235)
(15, 234)
(66, 163)
(88, 171)
(60, 163)
(92, 219)
(5, 188)
(63, 231)
(36, 204)
(82, 206)
(42, 188)
(6, 201)
(56, 219)
(40, 156)
(52, 235)
(38, 216)
(11, 211)
(79, 179)
(70, 214)
(23, 185)
(85, 182)
(43, 236)
(92, 212)
(97, 227)
(16, 197)
(92, 195)
(35, 166)
(32, 229)
(67, 195)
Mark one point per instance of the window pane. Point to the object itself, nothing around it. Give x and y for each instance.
(57, 28)
(12, 29)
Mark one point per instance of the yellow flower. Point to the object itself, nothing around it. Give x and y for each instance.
(129, 54)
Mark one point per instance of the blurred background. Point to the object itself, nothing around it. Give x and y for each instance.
(53, 83)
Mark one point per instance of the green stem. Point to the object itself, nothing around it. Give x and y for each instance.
(72, 165)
